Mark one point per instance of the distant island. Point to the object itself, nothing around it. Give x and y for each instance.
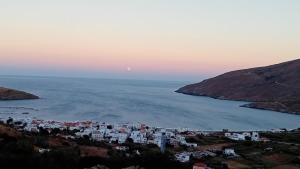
(275, 87)
(11, 94)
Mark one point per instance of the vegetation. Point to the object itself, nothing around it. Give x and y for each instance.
(289, 137)
(21, 150)
(23, 153)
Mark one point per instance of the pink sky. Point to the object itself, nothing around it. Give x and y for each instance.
(182, 38)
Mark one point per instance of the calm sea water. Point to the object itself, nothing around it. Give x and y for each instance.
(151, 102)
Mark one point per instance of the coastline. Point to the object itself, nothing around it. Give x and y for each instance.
(179, 129)
(251, 104)
(152, 103)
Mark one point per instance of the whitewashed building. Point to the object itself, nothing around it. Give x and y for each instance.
(138, 137)
(229, 152)
(183, 157)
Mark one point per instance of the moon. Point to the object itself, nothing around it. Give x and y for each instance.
(128, 69)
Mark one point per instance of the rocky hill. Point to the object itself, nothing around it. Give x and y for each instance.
(11, 94)
(275, 87)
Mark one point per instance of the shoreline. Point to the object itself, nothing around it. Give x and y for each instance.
(180, 129)
(250, 104)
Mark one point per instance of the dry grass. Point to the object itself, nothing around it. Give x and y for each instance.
(59, 142)
(276, 159)
(91, 151)
(214, 146)
(287, 167)
(11, 132)
(236, 165)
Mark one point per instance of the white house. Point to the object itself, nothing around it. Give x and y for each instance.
(31, 128)
(240, 137)
(157, 139)
(227, 134)
(138, 137)
(42, 150)
(237, 136)
(183, 157)
(122, 137)
(247, 134)
(255, 136)
(229, 152)
(181, 139)
(97, 135)
(122, 148)
(191, 145)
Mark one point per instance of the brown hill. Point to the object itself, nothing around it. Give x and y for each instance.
(275, 87)
(10, 94)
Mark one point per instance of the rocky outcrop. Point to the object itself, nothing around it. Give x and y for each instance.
(11, 94)
(275, 87)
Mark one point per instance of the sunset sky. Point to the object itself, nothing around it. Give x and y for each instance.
(145, 39)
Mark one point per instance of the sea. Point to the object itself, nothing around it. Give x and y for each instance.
(135, 101)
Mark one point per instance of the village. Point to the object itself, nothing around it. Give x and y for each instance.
(182, 142)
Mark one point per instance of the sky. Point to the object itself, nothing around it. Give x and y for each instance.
(145, 39)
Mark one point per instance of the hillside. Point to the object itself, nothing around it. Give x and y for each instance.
(275, 87)
(11, 94)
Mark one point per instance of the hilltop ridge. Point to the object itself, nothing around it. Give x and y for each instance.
(275, 87)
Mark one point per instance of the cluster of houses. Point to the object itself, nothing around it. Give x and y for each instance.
(112, 133)
(185, 156)
(136, 133)
(253, 136)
